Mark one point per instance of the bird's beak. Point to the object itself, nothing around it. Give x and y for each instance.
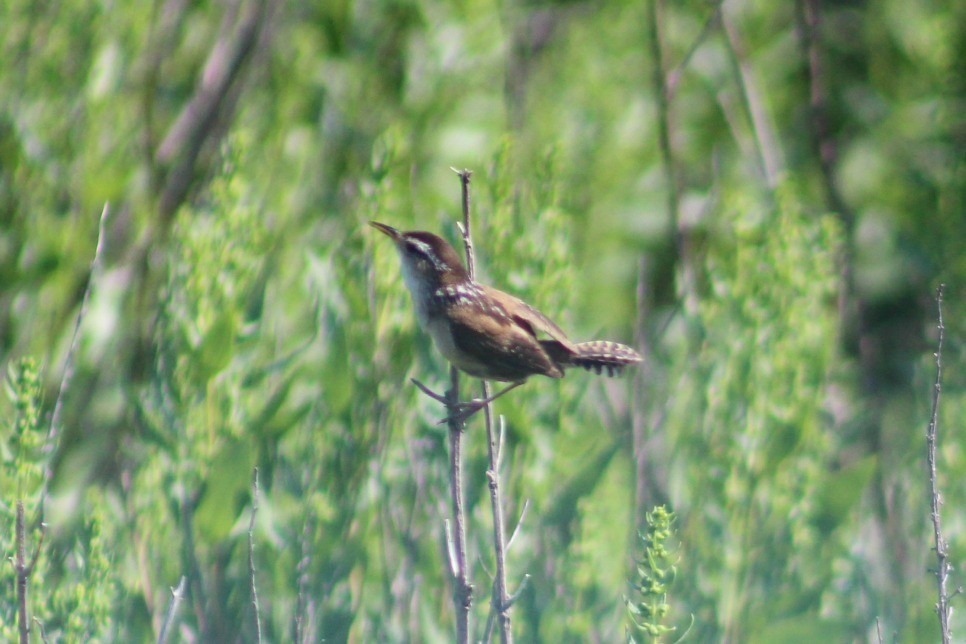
(393, 234)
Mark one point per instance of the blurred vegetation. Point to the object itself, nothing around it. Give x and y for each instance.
(763, 197)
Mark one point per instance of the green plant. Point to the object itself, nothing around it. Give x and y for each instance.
(647, 606)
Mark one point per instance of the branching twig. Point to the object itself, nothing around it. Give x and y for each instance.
(456, 537)
(43, 631)
(500, 601)
(463, 590)
(177, 595)
(516, 530)
(512, 599)
(465, 176)
(499, 604)
(935, 497)
(455, 420)
(251, 558)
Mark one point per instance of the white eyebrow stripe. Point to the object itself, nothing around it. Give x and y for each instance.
(427, 250)
(421, 245)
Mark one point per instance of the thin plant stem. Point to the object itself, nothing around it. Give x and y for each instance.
(639, 422)
(660, 89)
(456, 538)
(500, 600)
(56, 420)
(177, 596)
(500, 606)
(769, 155)
(43, 632)
(251, 558)
(24, 570)
(303, 621)
(674, 77)
(935, 496)
(22, 576)
(462, 589)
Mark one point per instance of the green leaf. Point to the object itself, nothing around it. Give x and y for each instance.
(226, 491)
(215, 351)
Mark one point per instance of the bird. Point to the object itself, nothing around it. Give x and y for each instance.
(485, 332)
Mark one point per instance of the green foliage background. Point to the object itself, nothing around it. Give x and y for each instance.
(775, 260)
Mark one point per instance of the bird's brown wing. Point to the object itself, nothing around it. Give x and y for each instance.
(529, 317)
(492, 344)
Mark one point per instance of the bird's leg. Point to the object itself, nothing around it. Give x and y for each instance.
(471, 407)
(429, 392)
(479, 403)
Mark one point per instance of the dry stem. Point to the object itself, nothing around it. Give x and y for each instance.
(251, 558)
(499, 603)
(935, 497)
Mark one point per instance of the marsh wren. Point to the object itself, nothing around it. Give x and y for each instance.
(485, 332)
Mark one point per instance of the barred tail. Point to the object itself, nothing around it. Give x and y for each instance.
(602, 355)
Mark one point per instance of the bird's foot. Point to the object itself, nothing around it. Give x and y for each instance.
(465, 410)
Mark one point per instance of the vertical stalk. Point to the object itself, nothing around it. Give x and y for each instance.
(935, 497)
(500, 600)
(251, 559)
(23, 574)
(500, 604)
(462, 589)
(766, 141)
(662, 94)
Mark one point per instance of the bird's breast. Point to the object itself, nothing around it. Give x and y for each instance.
(441, 332)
